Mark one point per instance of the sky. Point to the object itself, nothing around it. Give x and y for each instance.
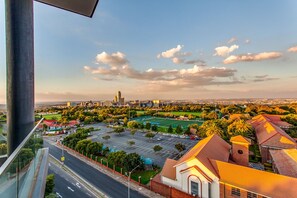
(169, 49)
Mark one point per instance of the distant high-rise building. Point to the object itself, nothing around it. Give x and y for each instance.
(69, 104)
(156, 103)
(119, 95)
(118, 99)
(115, 99)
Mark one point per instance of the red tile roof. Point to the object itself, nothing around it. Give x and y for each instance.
(285, 161)
(212, 147)
(269, 134)
(169, 169)
(240, 139)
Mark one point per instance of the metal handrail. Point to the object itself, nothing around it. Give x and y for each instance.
(18, 149)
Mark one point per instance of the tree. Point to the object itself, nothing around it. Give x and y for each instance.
(157, 148)
(132, 132)
(141, 126)
(117, 158)
(170, 129)
(105, 151)
(106, 137)
(180, 147)
(179, 129)
(3, 149)
(125, 121)
(148, 125)
(154, 127)
(133, 160)
(26, 155)
(240, 127)
(130, 143)
(211, 127)
(44, 126)
(132, 124)
(212, 115)
(94, 148)
(50, 184)
(119, 130)
(149, 135)
(82, 145)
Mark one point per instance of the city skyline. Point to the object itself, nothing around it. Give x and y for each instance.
(164, 50)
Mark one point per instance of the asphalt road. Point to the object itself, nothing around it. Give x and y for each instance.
(104, 183)
(67, 186)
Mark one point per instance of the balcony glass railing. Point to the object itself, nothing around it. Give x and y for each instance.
(21, 173)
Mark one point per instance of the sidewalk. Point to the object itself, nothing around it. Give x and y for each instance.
(113, 174)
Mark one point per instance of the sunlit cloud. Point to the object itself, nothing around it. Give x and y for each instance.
(292, 49)
(175, 55)
(177, 60)
(171, 52)
(113, 59)
(180, 78)
(252, 57)
(232, 40)
(224, 50)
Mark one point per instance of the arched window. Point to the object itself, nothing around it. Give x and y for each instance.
(194, 187)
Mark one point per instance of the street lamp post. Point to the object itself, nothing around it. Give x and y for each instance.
(129, 177)
(62, 157)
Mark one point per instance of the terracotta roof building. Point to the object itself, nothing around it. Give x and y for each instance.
(208, 170)
(270, 135)
(285, 161)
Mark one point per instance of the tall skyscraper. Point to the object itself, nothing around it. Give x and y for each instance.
(118, 99)
(119, 96)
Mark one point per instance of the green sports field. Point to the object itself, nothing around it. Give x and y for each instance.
(166, 122)
(181, 113)
(51, 116)
(176, 113)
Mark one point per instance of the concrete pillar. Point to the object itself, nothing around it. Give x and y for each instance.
(20, 70)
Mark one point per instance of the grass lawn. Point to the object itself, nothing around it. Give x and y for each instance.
(145, 176)
(181, 113)
(165, 122)
(140, 113)
(50, 116)
(176, 113)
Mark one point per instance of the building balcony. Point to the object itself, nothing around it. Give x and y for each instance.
(24, 172)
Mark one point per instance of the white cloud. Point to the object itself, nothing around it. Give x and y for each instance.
(247, 41)
(117, 67)
(175, 55)
(171, 52)
(114, 59)
(177, 60)
(232, 40)
(292, 49)
(224, 50)
(252, 57)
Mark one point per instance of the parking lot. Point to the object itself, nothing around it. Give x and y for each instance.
(143, 146)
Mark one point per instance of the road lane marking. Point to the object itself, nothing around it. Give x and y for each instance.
(70, 189)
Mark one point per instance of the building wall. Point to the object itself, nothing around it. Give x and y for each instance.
(226, 192)
(183, 180)
(240, 158)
